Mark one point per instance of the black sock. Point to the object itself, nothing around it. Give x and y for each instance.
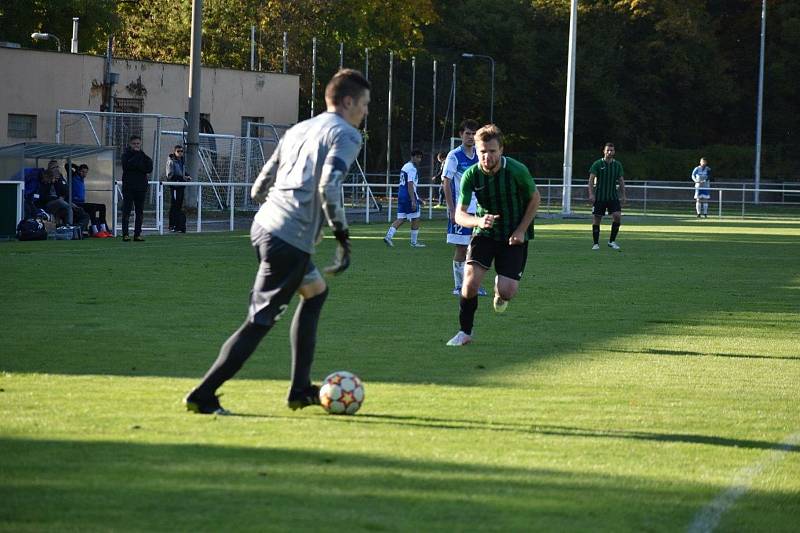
(304, 339)
(614, 231)
(466, 317)
(596, 233)
(232, 355)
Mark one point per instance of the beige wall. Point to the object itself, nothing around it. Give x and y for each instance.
(40, 82)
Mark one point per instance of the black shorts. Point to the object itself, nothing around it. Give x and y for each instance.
(600, 208)
(509, 261)
(282, 269)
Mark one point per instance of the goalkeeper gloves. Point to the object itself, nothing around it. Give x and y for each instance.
(342, 259)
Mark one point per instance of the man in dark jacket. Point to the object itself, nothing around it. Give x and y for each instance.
(136, 165)
(176, 171)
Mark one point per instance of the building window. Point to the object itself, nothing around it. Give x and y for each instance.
(254, 131)
(21, 126)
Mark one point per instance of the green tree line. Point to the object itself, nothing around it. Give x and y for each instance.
(661, 79)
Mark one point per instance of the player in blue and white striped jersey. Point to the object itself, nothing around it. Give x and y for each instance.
(457, 161)
(701, 176)
(308, 167)
(408, 201)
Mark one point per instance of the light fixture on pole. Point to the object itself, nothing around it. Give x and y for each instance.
(37, 36)
(491, 60)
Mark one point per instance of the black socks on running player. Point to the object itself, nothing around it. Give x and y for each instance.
(614, 231)
(596, 233)
(466, 317)
(303, 336)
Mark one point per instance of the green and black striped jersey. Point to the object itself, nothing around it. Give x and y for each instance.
(506, 193)
(608, 174)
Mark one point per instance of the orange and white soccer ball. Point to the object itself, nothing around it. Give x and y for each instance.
(342, 393)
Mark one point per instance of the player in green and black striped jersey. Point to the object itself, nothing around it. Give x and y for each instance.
(604, 176)
(507, 203)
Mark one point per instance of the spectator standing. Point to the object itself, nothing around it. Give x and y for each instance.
(96, 212)
(437, 178)
(408, 202)
(176, 171)
(308, 167)
(136, 165)
(701, 176)
(604, 176)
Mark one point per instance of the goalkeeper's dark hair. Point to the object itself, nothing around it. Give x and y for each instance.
(346, 82)
(415, 153)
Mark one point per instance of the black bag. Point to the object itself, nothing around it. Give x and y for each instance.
(31, 229)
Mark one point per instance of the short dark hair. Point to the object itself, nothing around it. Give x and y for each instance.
(346, 82)
(489, 132)
(179, 146)
(468, 124)
(416, 153)
(133, 138)
(607, 145)
(84, 165)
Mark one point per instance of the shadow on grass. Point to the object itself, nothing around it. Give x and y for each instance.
(90, 486)
(539, 429)
(653, 351)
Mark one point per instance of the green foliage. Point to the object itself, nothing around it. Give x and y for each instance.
(651, 74)
(669, 164)
(18, 19)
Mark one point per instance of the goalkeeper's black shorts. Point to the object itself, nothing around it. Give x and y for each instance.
(282, 269)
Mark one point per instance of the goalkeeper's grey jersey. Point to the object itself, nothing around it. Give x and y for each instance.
(310, 162)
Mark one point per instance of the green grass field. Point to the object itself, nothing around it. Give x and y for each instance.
(655, 389)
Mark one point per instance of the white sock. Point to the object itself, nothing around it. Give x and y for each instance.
(458, 273)
(697, 207)
(414, 234)
(103, 227)
(391, 232)
(705, 209)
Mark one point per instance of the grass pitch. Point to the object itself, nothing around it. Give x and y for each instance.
(654, 389)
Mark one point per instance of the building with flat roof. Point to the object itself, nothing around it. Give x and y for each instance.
(36, 84)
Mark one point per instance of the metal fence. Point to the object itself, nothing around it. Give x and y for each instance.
(204, 215)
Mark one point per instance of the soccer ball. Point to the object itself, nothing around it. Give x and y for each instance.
(342, 393)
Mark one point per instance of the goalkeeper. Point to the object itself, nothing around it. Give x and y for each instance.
(300, 187)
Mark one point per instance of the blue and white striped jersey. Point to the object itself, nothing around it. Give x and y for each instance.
(454, 166)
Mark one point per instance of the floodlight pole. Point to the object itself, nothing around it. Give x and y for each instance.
(195, 63)
(569, 113)
(491, 60)
(760, 104)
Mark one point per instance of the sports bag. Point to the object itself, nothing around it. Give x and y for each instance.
(31, 229)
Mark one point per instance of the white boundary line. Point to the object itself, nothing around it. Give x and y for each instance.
(708, 518)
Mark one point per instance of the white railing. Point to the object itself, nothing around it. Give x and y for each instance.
(362, 201)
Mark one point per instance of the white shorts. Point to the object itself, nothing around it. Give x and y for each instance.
(409, 216)
(702, 194)
(458, 235)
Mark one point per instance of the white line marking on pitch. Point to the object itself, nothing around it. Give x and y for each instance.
(708, 518)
